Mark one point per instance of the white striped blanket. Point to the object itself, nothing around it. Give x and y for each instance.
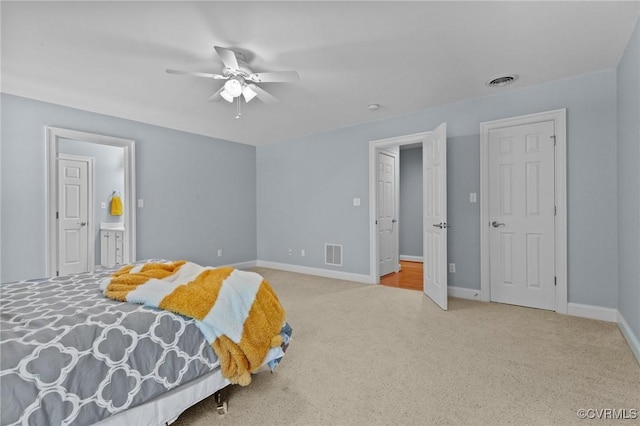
(239, 314)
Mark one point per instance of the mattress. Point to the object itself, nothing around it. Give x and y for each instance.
(71, 356)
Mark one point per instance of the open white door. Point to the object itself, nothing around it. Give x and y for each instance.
(386, 215)
(434, 183)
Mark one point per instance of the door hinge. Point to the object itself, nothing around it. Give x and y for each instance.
(376, 221)
(57, 273)
(555, 210)
(56, 215)
(555, 281)
(554, 140)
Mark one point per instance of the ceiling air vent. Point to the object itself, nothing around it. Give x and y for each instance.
(502, 80)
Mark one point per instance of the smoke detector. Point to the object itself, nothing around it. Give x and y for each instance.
(502, 80)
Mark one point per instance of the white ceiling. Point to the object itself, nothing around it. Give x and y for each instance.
(110, 57)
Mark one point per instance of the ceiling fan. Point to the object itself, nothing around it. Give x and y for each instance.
(241, 80)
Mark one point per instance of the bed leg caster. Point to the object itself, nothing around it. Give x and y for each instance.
(221, 402)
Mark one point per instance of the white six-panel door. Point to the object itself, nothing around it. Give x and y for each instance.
(434, 181)
(521, 214)
(73, 234)
(386, 198)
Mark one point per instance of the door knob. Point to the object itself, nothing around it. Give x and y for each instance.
(441, 225)
(496, 224)
(82, 223)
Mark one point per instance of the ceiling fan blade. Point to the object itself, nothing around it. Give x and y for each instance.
(198, 74)
(263, 95)
(274, 77)
(228, 57)
(216, 96)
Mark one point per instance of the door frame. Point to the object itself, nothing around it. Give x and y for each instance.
(91, 238)
(374, 147)
(52, 136)
(559, 117)
(396, 189)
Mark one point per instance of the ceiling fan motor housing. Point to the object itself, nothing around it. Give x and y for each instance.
(242, 70)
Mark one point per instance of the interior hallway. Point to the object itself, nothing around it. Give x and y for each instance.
(409, 277)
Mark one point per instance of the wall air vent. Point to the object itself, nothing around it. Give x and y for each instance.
(502, 80)
(333, 254)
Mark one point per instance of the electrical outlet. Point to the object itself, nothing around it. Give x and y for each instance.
(290, 252)
(302, 253)
(103, 205)
(452, 267)
(219, 253)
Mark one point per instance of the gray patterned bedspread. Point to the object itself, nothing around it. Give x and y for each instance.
(69, 355)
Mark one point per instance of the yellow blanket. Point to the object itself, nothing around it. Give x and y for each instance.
(238, 312)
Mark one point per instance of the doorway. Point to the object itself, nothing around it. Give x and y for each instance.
(410, 221)
(523, 211)
(54, 138)
(434, 235)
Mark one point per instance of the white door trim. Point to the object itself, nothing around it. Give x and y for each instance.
(53, 134)
(91, 255)
(559, 117)
(374, 147)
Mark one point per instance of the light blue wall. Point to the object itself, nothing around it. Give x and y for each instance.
(199, 192)
(463, 238)
(629, 182)
(108, 175)
(306, 185)
(410, 223)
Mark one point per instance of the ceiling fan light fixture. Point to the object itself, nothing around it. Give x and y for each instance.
(233, 86)
(226, 96)
(248, 93)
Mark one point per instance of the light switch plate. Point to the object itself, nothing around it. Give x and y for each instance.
(472, 197)
(356, 202)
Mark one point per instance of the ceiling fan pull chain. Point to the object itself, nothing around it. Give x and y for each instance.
(238, 111)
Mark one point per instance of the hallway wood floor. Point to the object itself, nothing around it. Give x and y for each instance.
(410, 277)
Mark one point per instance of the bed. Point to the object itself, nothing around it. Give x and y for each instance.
(72, 356)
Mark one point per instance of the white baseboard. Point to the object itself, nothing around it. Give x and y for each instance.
(244, 265)
(630, 336)
(328, 273)
(463, 293)
(411, 258)
(593, 312)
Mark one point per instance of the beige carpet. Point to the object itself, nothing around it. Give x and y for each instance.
(364, 354)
